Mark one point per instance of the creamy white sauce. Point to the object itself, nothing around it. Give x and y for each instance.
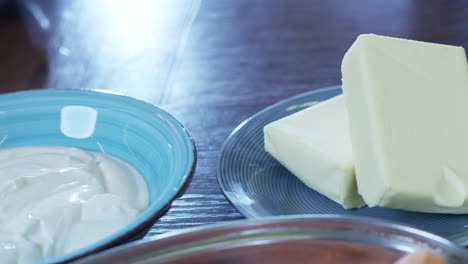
(54, 200)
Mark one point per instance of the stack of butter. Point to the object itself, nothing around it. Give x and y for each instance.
(397, 137)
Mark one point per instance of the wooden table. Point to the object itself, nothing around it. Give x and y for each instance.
(211, 63)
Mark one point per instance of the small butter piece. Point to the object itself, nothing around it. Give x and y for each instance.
(407, 103)
(421, 257)
(450, 190)
(314, 145)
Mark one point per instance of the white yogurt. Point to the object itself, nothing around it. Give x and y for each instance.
(54, 200)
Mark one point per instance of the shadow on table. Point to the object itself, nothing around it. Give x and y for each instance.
(23, 65)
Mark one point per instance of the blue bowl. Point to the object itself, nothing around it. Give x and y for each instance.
(147, 137)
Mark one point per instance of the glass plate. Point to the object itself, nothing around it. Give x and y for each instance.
(257, 185)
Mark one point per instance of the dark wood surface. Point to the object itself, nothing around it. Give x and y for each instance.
(211, 63)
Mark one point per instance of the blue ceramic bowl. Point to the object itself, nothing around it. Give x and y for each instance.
(150, 139)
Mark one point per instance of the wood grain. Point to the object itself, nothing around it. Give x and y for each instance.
(211, 63)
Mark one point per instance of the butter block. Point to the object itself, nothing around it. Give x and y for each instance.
(314, 145)
(407, 103)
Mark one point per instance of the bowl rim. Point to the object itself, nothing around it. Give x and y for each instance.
(145, 224)
(169, 244)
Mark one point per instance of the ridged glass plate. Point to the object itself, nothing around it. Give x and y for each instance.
(257, 185)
